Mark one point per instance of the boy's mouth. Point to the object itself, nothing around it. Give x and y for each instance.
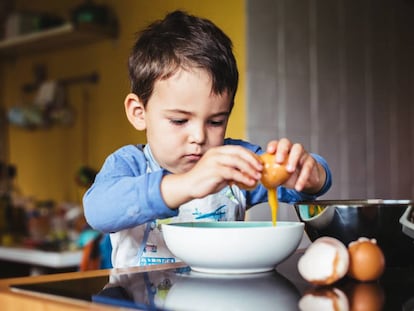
(193, 157)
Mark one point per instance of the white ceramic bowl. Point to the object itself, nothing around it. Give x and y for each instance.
(233, 247)
(260, 291)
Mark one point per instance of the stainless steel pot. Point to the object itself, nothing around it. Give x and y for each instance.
(390, 222)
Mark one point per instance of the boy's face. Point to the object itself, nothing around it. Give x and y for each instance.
(183, 119)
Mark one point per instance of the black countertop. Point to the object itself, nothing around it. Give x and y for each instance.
(183, 289)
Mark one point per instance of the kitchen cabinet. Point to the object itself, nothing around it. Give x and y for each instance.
(55, 38)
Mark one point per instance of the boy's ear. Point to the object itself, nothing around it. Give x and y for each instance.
(135, 111)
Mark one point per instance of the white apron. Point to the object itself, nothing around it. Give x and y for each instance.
(144, 244)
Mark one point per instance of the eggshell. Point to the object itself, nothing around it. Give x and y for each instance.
(365, 296)
(324, 299)
(324, 262)
(366, 260)
(274, 174)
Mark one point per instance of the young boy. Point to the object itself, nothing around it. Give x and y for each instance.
(184, 78)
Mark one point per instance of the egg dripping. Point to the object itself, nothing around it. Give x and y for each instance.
(273, 175)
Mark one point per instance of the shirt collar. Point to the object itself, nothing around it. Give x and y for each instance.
(152, 164)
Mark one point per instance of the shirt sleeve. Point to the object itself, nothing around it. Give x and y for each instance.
(123, 194)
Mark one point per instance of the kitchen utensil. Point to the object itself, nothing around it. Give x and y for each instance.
(407, 222)
(233, 247)
(347, 220)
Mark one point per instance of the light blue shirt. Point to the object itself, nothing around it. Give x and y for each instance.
(126, 192)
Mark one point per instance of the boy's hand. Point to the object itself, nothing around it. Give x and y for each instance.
(217, 168)
(307, 174)
(225, 165)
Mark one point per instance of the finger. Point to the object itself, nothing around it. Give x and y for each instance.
(234, 176)
(272, 147)
(306, 170)
(240, 162)
(249, 157)
(283, 148)
(296, 153)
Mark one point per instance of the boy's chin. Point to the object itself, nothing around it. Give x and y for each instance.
(181, 169)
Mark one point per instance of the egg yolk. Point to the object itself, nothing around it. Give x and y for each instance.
(273, 175)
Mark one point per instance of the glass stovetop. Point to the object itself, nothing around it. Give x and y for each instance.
(183, 289)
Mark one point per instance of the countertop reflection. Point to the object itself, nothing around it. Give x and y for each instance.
(182, 289)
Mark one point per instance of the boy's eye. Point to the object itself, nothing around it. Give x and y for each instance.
(216, 122)
(178, 121)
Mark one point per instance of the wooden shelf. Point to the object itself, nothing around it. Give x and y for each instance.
(54, 39)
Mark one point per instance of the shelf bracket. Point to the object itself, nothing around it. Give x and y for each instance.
(40, 74)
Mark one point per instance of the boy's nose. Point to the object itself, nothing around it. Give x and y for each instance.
(198, 135)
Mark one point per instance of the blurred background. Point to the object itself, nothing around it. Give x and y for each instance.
(63, 80)
(49, 154)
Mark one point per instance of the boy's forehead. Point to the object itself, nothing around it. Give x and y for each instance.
(189, 89)
(189, 92)
(183, 75)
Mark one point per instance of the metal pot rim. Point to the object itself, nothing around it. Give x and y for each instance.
(356, 202)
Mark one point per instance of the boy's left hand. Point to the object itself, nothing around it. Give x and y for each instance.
(307, 174)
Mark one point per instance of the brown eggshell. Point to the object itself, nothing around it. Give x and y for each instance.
(366, 260)
(366, 296)
(274, 174)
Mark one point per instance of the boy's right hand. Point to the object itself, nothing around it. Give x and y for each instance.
(217, 168)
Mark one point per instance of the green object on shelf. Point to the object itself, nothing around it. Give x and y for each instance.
(85, 176)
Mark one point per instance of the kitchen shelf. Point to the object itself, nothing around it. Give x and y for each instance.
(41, 258)
(55, 38)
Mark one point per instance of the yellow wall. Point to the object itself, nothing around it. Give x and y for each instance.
(48, 160)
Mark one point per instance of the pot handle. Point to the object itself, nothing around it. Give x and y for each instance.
(407, 226)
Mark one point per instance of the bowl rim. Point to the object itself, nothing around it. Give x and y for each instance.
(228, 225)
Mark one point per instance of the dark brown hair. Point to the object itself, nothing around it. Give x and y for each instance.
(178, 41)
